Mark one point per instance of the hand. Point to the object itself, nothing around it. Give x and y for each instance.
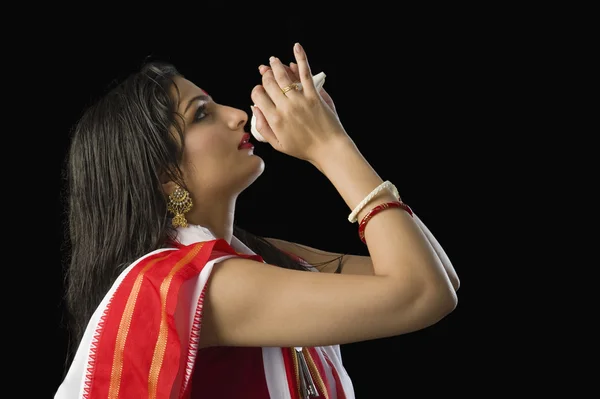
(297, 123)
(294, 75)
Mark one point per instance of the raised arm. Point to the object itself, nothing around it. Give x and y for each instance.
(440, 253)
(359, 264)
(254, 304)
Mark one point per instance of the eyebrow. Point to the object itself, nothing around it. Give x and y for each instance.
(203, 97)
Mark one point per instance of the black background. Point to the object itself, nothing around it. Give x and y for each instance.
(423, 93)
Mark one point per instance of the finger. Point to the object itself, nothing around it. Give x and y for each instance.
(262, 69)
(282, 77)
(263, 127)
(326, 97)
(262, 100)
(293, 74)
(322, 92)
(304, 71)
(273, 89)
(294, 68)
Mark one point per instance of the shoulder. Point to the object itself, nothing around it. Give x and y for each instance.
(181, 260)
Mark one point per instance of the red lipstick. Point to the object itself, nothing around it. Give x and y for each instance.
(245, 142)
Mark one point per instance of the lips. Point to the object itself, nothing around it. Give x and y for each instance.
(245, 140)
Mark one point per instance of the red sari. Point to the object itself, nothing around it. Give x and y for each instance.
(142, 341)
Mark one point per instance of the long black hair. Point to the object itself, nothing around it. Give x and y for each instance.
(116, 210)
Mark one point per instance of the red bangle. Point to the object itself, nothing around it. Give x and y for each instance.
(375, 211)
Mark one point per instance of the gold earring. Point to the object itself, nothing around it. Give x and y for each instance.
(179, 204)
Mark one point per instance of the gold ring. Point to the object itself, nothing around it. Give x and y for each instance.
(294, 86)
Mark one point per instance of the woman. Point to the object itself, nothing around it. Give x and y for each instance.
(169, 299)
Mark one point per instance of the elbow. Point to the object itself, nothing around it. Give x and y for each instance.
(436, 301)
(422, 304)
(422, 301)
(450, 301)
(442, 300)
(455, 283)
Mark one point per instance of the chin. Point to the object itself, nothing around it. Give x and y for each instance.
(254, 171)
(259, 167)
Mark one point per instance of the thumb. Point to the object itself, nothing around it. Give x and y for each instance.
(263, 127)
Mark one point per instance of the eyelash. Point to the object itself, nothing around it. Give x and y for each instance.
(200, 113)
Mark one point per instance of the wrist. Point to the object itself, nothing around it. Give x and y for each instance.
(330, 155)
(353, 177)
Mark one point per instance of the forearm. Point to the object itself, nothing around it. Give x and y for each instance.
(440, 253)
(396, 244)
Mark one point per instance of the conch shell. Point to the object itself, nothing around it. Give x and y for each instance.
(318, 80)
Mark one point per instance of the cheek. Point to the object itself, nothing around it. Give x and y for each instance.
(205, 151)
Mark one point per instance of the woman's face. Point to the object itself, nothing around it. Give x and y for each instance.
(214, 165)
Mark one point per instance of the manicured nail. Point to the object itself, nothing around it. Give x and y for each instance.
(271, 59)
(297, 47)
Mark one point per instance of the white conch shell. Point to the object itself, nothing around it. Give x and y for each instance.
(318, 80)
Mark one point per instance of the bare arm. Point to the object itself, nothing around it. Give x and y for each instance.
(440, 253)
(330, 261)
(253, 304)
(349, 263)
(358, 264)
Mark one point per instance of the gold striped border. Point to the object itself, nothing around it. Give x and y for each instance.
(161, 342)
(312, 366)
(117, 366)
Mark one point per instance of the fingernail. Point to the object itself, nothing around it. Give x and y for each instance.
(252, 108)
(271, 59)
(297, 47)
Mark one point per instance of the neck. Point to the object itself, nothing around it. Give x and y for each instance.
(218, 217)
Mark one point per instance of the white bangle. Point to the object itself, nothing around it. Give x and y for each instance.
(386, 184)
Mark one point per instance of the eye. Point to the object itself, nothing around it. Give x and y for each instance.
(200, 113)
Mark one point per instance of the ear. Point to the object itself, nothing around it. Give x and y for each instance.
(168, 185)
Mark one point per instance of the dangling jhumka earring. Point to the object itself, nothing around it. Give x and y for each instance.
(179, 204)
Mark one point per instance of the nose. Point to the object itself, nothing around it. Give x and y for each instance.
(237, 119)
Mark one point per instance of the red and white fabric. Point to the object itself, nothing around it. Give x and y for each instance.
(141, 341)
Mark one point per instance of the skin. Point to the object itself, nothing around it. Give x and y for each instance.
(357, 264)
(400, 288)
(212, 136)
(352, 264)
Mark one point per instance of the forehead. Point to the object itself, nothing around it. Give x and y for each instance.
(187, 90)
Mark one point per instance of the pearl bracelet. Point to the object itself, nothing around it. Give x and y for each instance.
(385, 185)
